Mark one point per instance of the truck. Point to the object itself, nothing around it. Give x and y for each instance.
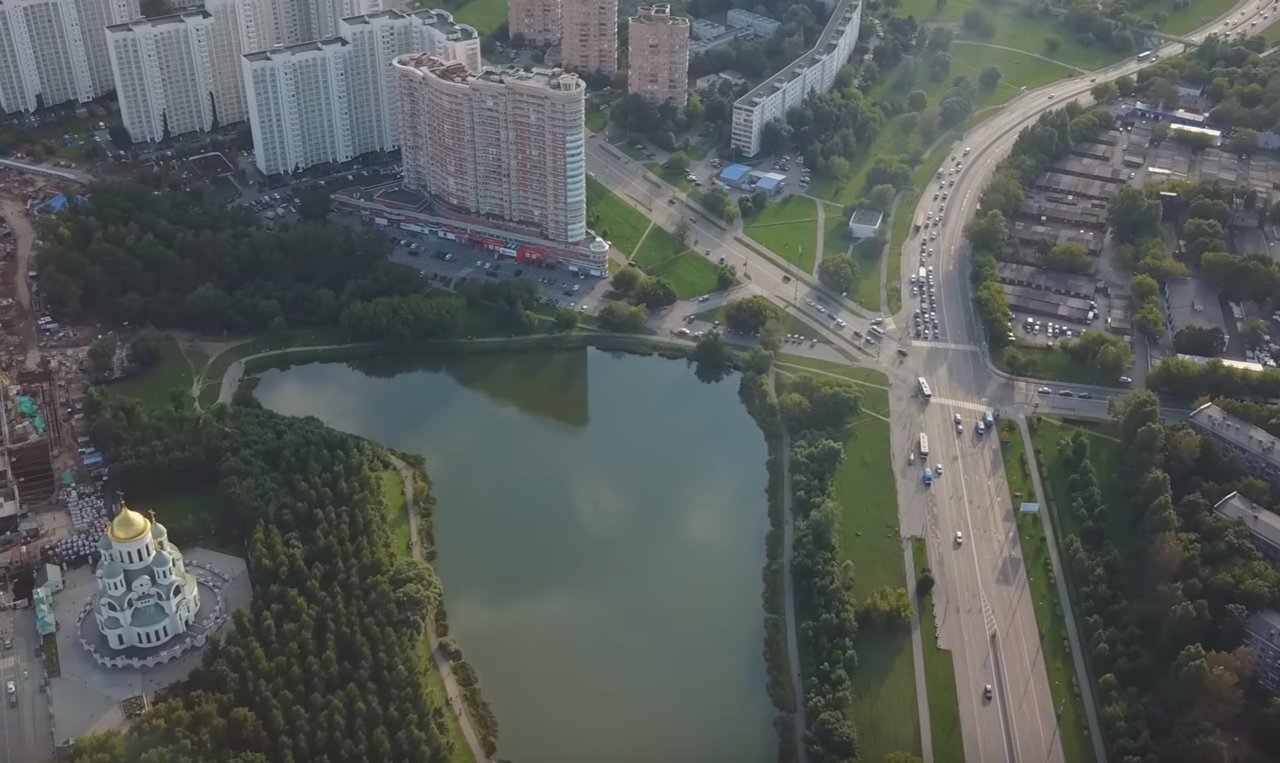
(924, 445)
(923, 275)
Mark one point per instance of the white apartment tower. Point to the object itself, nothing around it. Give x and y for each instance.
(163, 74)
(95, 17)
(43, 61)
(537, 20)
(589, 36)
(506, 144)
(231, 20)
(296, 21)
(658, 55)
(298, 103)
(376, 40)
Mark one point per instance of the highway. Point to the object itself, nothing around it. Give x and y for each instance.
(25, 733)
(983, 607)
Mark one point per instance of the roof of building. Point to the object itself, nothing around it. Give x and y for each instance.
(1239, 365)
(1261, 523)
(159, 21)
(128, 525)
(1253, 439)
(458, 73)
(769, 183)
(868, 217)
(840, 19)
(734, 173)
(1192, 302)
(1265, 624)
(659, 13)
(313, 46)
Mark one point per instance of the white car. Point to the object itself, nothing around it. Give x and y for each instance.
(959, 538)
(911, 457)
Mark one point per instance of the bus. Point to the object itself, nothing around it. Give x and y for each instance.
(1144, 55)
(924, 388)
(924, 445)
(877, 329)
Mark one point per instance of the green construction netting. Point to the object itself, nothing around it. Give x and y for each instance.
(27, 407)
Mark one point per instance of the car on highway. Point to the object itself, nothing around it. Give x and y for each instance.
(1083, 395)
(911, 457)
(12, 690)
(1045, 391)
(1066, 393)
(987, 693)
(937, 470)
(1126, 380)
(959, 538)
(928, 476)
(8, 643)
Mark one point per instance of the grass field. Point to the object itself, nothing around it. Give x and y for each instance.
(1055, 365)
(669, 176)
(871, 384)
(596, 120)
(484, 15)
(153, 386)
(662, 255)
(789, 229)
(939, 676)
(397, 512)
(1040, 578)
(1194, 16)
(884, 683)
(211, 379)
(616, 221)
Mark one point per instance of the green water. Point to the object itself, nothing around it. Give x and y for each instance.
(601, 525)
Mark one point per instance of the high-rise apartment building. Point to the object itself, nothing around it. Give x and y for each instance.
(43, 61)
(95, 17)
(296, 21)
(537, 20)
(589, 36)
(658, 55)
(298, 105)
(231, 19)
(163, 74)
(376, 40)
(504, 144)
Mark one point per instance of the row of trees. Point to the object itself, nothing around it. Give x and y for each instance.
(1188, 380)
(1163, 587)
(328, 666)
(650, 292)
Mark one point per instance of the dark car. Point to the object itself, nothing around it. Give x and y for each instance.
(491, 273)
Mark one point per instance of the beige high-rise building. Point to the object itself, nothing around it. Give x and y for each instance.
(589, 36)
(506, 144)
(537, 20)
(658, 55)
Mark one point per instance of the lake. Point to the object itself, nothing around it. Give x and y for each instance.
(600, 526)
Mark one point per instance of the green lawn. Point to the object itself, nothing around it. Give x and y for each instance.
(871, 385)
(1054, 365)
(211, 378)
(670, 176)
(789, 229)
(1040, 578)
(1195, 15)
(153, 386)
(397, 512)
(614, 220)
(939, 675)
(790, 325)
(662, 254)
(884, 682)
(596, 119)
(485, 15)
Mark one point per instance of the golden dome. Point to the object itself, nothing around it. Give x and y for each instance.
(128, 525)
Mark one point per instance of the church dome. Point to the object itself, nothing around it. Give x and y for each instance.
(128, 525)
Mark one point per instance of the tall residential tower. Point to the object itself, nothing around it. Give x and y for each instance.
(163, 75)
(504, 144)
(538, 21)
(589, 36)
(658, 55)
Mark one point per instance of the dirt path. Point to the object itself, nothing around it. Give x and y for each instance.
(15, 216)
(438, 656)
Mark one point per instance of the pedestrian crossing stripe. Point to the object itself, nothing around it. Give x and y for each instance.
(944, 345)
(963, 404)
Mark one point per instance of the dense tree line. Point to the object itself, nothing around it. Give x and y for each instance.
(1188, 380)
(168, 259)
(327, 666)
(1240, 87)
(1163, 588)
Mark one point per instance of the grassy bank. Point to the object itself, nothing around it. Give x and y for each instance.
(939, 674)
(869, 382)
(154, 386)
(789, 229)
(1041, 580)
(615, 220)
(1051, 364)
(661, 254)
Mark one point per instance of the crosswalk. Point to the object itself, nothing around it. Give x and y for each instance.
(944, 345)
(961, 404)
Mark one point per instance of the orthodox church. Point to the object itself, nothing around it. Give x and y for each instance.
(145, 595)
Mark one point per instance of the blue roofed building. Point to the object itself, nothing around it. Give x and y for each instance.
(735, 175)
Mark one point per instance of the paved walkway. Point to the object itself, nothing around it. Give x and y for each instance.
(437, 654)
(789, 600)
(1064, 597)
(917, 653)
(820, 247)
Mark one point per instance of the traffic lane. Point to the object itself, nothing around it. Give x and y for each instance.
(27, 736)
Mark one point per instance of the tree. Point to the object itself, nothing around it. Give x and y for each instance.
(954, 110)
(749, 315)
(565, 320)
(988, 233)
(1143, 287)
(917, 100)
(1132, 214)
(1052, 43)
(1149, 320)
(314, 205)
(147, 347)
(771, 335)
(888, 606)
(1106, 352)
(1255, 334)
(684, 229)
(712, 357)
(993, 311)
(654, 293)
(1245, 141)
(1071, 257)
(1105, 92)
(1199, 340)
(989, 77)
(925, 582)
(978, 23)
(678, 162)
(726, 276)
(718, 203)
(838, 271)
(1203, 236)
(625, 281)
(881, 197)
(102, 355)
(620, 317)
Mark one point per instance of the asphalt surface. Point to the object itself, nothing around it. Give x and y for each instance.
(984, 612)
(25, 733)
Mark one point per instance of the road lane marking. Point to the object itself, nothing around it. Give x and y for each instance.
(944, 345)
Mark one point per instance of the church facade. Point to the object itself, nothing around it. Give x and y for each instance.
(145, 595)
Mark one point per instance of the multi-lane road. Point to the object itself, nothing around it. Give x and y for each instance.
(983, 607)
(25, 734)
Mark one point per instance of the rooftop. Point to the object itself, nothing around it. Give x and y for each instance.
(1240, 433)
(441, 20)
(841, 17)
(160, 21)
(457, 73)
(1265, 624)
(284, 51)
(1262, 524)
(868, 217)
(658, 14)
(1192, 302)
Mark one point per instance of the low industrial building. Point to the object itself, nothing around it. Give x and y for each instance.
(760, 26)
(1072, 185)
(735, 176)
(1144, 111)
(1052, 306)
(1191, 303)
(1044, 236)
(1262, 635)
(1066, 284)
(1255, 447)
(1065, 210)
(864, 223)
(1196, 135)
(1263, 525)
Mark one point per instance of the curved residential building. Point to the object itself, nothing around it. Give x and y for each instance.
(814, 72)
(506, 144)
(658, 55)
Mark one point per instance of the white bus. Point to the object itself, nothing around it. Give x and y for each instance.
(924, 388)
(924, 445)
(1144, 55)
(877, 329)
